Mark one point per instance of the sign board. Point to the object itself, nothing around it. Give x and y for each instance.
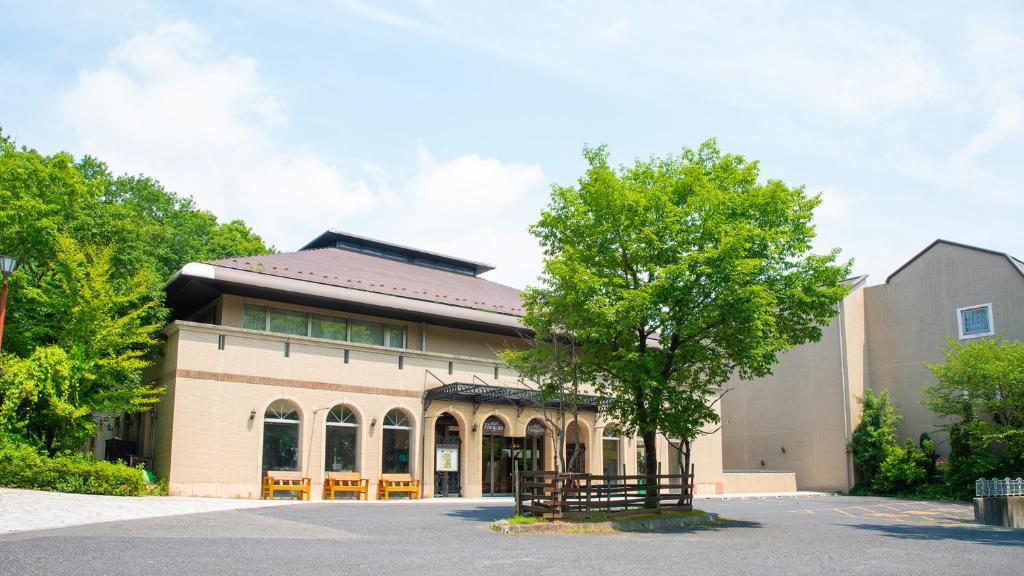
(447, 460)
(535, 428)
(494, 426)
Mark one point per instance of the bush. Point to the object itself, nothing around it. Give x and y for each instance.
(904, 470)
(21, 466)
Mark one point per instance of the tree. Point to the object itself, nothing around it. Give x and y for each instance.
(99, 335)
(980, 393)
(875, 434)
(76, 229)
(676, 273)
(549, 365)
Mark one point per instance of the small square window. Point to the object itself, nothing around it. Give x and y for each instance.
(975, 321)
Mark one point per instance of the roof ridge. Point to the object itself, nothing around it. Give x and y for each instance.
(937, 241)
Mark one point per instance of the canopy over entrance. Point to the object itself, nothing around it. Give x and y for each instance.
(521, 398)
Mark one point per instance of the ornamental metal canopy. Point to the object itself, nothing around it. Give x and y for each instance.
(521, 398)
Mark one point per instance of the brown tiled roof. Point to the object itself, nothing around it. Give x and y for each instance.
(337, 267)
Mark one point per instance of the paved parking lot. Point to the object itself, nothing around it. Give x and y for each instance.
(817, 535)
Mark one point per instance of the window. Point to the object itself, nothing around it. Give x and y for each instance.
(254, 317)
(329, 327)
(281, 436)
(975, 321)
(321, 326)
(396, 337)
(610, 449)
(289, 322)
(342, 440)
(395, 453)
(367, 332)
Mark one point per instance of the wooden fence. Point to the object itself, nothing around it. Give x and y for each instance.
(554, 495)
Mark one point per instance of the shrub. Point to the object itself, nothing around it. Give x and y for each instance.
(875, 435)
(21, 466)
(903, 471)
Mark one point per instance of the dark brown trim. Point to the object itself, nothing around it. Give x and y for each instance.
(289, 383)
(958, 245)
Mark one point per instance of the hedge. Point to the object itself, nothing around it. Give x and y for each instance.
(21, 466)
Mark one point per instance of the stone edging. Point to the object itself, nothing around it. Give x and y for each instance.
(624, 525)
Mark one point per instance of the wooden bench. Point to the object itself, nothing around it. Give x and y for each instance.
(285, 482)
(335, 482)
(389, 483)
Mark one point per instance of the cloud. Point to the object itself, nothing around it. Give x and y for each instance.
(828, 59)
(166, 104)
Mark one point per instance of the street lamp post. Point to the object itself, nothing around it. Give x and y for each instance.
(7, 264)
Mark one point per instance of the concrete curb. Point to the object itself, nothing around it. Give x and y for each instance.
(611, 526)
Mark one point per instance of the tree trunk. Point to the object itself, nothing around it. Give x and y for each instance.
(650, 469)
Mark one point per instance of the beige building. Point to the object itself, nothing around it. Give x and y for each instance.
(800, 418)
(359, 355)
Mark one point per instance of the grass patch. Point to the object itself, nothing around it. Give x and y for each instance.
(637, 516)
(520, 519)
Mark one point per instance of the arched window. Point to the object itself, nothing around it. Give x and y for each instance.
(281, 436)
(611, 452)
(397, 440)
(341, 441)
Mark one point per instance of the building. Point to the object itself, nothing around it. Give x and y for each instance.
(354, 354)
(800, 418)
(358, 355)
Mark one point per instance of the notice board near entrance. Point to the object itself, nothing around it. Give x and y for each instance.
(447, 459)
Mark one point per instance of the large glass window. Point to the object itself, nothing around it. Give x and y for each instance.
(367, 332)
(254, 317)
(396, 337)
(611, 452)
(329, 327)
(289, 322)
(397, 433)
(281, 436)
(342, 440)
(321, 326)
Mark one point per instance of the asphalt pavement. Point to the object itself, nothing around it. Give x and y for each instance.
(815, 535)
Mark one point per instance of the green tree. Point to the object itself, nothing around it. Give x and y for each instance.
(99, 333)
(980, 394)
(875, 435)
(550, 365)
(76, 229)
(676, 273)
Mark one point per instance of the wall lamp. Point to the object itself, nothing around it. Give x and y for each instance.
(373, 422)
(475, 426)
(783, 449)
(252, 414)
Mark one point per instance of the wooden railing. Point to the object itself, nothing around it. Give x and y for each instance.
(555, 495)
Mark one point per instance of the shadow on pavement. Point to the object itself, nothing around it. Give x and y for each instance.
(980, 534)
(482, 514)
(720, 525)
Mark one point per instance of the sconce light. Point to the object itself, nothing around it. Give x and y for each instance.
(474, 426)
(373, 422)
(252, 414)
(783, 449)
(762, 463)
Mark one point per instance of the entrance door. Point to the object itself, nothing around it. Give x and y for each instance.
(499, 454)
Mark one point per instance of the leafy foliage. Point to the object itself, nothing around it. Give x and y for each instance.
(675, 273)
(875, 435)
(21, 466)
(980, 392)
(86, 301)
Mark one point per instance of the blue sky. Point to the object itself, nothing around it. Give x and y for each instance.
(443, 124)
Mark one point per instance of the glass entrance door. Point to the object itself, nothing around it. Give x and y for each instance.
(499, 453)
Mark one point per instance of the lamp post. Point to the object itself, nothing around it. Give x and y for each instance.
(7, 264)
